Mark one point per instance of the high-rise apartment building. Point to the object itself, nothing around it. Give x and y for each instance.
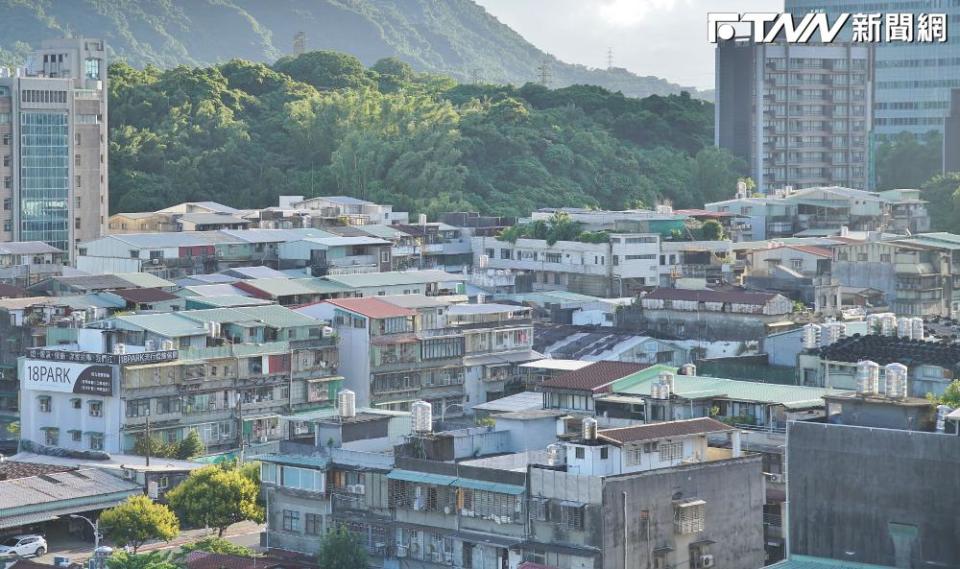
(798, 114)
(53, 145)
(912, 79)
(951, 136)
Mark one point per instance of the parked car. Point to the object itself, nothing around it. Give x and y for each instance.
(24, 545)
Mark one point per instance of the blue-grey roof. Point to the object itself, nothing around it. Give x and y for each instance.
(809, 562)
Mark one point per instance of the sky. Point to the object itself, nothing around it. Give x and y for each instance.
(666, 38)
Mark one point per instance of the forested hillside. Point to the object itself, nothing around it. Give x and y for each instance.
(243, 133)
(454, 37)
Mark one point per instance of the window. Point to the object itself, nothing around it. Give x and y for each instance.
(96, 441)
(313, 524)
(291, 520)
(884, 257)
(670, 452)
(539, 507)
(96, 408)
(7, 203)
(52, 437)
(688, 516)
(46, 405)
(76, 403)
(76, 223)
(581, 453)
(632, 455)
(75, 436)
(138, 408)
(6, 159)
(571, 516)
(604, 453)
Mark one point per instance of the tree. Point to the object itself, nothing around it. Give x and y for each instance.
(950, 397)
(712, 230)
(139, 520)
(216, 497)
(341, 550)
(154, 446)
(216, 545)
(152, 560)
(943, 201)
(190, 446)
(907, 161)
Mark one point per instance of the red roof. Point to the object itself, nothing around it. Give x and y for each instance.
(371, 307)
(707, 295)
(593, 376)
(700, 426)
(206, 560)
(10, 291)
(139, 295)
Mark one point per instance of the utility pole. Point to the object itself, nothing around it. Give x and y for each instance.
(149, 441)
(543, 73)
(240, 429)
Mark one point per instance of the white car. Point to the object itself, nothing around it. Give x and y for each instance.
(24, 545)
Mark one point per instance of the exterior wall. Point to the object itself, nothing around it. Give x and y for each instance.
(734, 494)
(701, 325)
(888, 497)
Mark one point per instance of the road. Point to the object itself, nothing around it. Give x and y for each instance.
(244, 533)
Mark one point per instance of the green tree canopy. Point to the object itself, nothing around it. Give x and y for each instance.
(341, 550)
(216, 545)
(137, 521)
(216, 497)
(943, 201)
(907, 161)
(190, 446)
(152, 560)
(951, 395)
(711, 230)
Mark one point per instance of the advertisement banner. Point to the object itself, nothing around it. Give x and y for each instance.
(64, 377)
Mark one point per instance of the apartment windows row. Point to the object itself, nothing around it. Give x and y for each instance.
(43, 96)
(159, 405)
(94, 407)
(51, 437)
(564, 514)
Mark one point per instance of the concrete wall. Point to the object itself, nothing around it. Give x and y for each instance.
(699, 325)
(734, 494)
(874, 495)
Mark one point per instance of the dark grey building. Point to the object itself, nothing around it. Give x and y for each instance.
(870, 495)
(951, 135)
(798, 114)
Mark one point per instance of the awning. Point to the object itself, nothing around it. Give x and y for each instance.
(493, 359)
(489, 486)
(421, 477)
(488, 539)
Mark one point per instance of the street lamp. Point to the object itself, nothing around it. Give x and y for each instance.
(96, 535)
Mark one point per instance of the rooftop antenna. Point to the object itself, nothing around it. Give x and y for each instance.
(299, 43)
(609, 58)
(543, 73)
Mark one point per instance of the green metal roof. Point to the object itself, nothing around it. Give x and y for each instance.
(227, 301)
(272, 315)
(315, 461)
(421, 477)
(807, 562)
(699, 387)
(940, 240)
(489, 486)
(282, 286)
(171, 325)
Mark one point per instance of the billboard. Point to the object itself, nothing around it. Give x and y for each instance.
(66, 377)
(136, 358)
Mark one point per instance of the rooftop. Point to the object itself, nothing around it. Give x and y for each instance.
(734, 297)
(593, 376)
(12, 469)
(66, 485)
(891, 349)
(808, 562)
(415, 301)
(523, 401)
(371, 307)
(557, 364)
(394, 278)
(139, 295)
(699, 387)
(490, 308)
(669, 429)
(27, 248)
(146, 280)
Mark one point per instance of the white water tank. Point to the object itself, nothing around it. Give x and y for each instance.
(888, 325)
(917, 325)
(905, 328)
(422, 416)
(589, 429)
(554, 454)
(688, 369)
(834, 332)
(666, 378)
(868, 377)
(896, 377)
(942, 412)
(347, 403)
(656, 390)
(811, 336)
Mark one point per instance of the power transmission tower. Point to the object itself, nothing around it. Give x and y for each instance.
(543, 73)
(299, 43)
(476, 76)
(609, 58)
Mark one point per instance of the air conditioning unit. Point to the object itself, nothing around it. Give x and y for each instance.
(706, 561)
(401, 551)
(154, 261)
(447, 510)
(119, 348)
(778, 478)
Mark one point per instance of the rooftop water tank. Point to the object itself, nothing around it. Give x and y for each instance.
(422, 416)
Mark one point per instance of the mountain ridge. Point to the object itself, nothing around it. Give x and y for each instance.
(457, 38)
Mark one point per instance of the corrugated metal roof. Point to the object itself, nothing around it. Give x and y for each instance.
(593, 376)
(371, 307)
(20, 494)
(421, 477)
(366, 280)
(736, 297)
(228, 301)
(807, 562)
(146, 280)
(172, 325)
(213, 290)
(523, 401)
(688, 427)
(27, 248)
(278, 287)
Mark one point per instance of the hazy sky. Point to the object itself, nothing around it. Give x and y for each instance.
(666, 38)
